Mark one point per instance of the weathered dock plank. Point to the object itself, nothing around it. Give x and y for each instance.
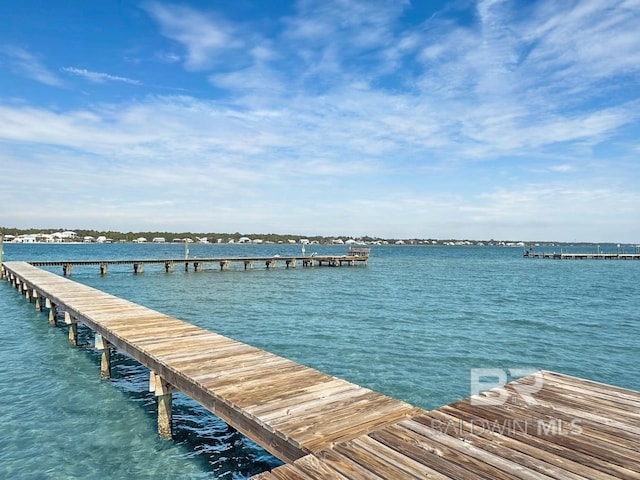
(560, 433)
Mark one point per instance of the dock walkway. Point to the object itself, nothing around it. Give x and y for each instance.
(545, 426)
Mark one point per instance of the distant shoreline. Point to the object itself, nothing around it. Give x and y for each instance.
(84, 236)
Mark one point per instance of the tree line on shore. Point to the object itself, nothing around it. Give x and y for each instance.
(225, 237)
(80, 234)
(215, 237)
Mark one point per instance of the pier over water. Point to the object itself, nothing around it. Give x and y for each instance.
(543, 426)
(353, 258)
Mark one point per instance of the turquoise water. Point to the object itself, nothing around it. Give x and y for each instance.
(412, 324)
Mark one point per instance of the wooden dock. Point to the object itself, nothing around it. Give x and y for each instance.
(546, 426)
(289, 409)
(223, 263)
(569, 429)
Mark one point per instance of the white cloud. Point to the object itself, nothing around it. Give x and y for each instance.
(562, 168)
(167, 57)
(203, 36)
(27, 64)
(97, 77)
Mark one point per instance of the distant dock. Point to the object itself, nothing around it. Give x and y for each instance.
(582, 256)
(354, 257)
(544, 426)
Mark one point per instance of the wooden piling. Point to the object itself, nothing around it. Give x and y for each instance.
(38, 301)
(52, 314)
(73, 328)
(103, 268)
(105, 359)
(164, 395)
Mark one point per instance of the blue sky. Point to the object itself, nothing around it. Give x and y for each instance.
(430, 119)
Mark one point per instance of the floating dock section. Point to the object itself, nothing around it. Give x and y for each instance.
(545, 426)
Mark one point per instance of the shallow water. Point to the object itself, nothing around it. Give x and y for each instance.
(412, 324)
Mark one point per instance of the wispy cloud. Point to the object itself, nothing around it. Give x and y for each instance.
(203, 36)
(97, 77)
(562, 168)
(25, 63)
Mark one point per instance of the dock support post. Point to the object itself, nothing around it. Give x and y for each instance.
(38, 300)
(66, 269)
(103, 269)
(73, 328)
(197, 266)
(105, 360)
(164, 394)
(248, 264)
(168, 267)
(138, 267)
(52, 314)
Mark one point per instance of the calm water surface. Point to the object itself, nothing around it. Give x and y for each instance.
(411, 325)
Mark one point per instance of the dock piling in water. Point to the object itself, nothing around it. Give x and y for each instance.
(164, 397)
